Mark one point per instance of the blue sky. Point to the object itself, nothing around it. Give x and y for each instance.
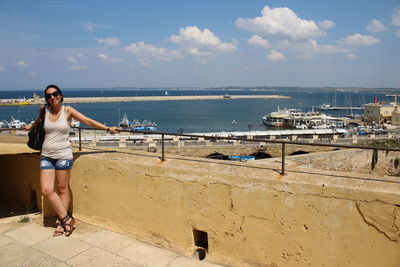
(199, 43)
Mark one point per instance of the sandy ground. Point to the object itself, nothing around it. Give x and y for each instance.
(13, 138)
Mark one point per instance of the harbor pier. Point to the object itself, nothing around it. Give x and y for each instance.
(75, 100)
(36, 100)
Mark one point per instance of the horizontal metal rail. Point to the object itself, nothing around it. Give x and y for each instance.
(282, 142)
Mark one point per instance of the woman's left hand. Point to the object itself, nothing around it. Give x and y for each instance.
(113, 129)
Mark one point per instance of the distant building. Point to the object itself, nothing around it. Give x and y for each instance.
(380, 113)
(36, 99)
(396, 116)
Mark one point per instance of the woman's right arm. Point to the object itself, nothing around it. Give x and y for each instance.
(37, 121)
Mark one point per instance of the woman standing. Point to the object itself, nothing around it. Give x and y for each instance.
(56, 156)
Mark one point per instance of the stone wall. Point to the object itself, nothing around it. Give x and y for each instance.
(252, 215)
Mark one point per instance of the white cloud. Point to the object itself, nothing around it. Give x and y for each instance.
(72, 59)
(281, 22)
(89, 27)
(105, 58)
(359, 40)
(376, 26)
(76, 67)
(110, 41)
(396, 17)
(332, 49)
(326, 24)
(275, 56)
(200, 43)
(146, 52)
(351, 56)
(2, 68)
(257, 40)
(21, 63)
(311, 48)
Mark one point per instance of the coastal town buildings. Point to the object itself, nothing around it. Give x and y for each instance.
(382, 113)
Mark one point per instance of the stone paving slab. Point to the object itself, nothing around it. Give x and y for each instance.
(107, 240)
(18, 254)
(62, 247)
(5, 240)
(98, 257)
(31, 244)
(141, 254)
(83, 230)
(45, 261)
(31, 234)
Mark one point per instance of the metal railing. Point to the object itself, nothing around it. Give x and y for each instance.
(282, 142)
(214, 138)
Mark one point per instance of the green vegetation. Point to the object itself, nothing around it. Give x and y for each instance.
(24, 219)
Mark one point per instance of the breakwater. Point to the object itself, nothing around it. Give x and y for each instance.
(74, 100)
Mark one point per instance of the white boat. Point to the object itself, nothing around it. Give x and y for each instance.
(277, 118)
(14, 123)
(124, 123)
(145, 125)
(295, 118)
(4, 124)
(75, 123)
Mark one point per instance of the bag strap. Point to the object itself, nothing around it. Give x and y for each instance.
(42, 113)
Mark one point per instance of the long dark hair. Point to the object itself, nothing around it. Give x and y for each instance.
(55, 87)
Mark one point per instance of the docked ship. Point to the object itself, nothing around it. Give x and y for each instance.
(15, 102)
(295, 118)
(136, 125)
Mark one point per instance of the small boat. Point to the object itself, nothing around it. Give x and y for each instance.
(124, 123)
(14, 123)
(4, 124)
(143, 126)
(75, 123)
(242, 158)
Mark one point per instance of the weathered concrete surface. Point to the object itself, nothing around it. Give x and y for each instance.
(252, 214)
(353, 161)
(31, 244)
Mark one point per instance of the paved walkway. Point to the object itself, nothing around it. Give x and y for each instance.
(31, 244)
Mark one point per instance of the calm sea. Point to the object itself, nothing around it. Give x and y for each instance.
(198, 115)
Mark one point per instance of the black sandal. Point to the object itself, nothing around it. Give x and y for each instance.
(57, 232)
(70, 225)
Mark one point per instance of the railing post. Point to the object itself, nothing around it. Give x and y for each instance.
(80, 139)
(374, 158)
(162, 148)
(283, 159)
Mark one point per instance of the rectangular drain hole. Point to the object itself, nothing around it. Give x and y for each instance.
(200, 239)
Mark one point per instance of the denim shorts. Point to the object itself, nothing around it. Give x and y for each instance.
(55, 164)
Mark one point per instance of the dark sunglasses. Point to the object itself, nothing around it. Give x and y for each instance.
(55, 94)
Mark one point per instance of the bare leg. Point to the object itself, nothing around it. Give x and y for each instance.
(47, 178)
(64, 189)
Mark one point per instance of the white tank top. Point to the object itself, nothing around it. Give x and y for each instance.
(56, 142)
